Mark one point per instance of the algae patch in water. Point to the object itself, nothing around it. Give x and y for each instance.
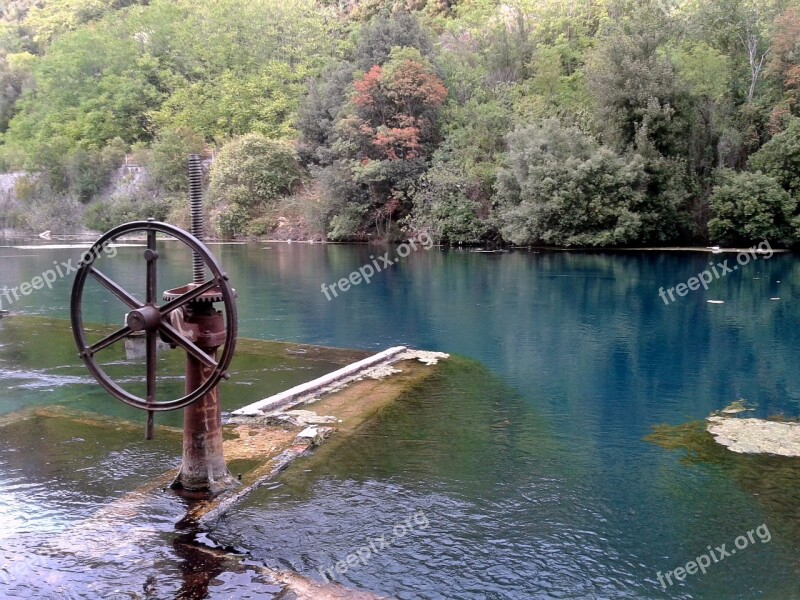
(773, 481)
(693, 439)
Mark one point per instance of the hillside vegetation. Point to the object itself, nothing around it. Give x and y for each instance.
(559, 122)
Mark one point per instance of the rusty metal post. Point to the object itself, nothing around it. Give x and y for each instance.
(203, 467)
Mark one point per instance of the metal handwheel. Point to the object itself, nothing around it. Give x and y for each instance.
(159, 320)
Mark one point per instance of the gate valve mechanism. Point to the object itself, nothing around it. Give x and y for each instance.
(184, 317)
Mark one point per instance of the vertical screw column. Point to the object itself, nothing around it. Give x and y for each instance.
(203, 466)
(196, 211)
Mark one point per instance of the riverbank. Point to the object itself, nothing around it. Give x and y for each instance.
(89, 237)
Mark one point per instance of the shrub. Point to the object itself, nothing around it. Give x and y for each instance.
(443, 206)
(231, 221)
(50, 159)
(179, 213)
(140, 154)
(26, 187)
(79, 172)
(104, 215)
(86, 174)
(63, 214)
(113, 154)
(252, 171)
(261, 226)
(347, 224)
(750, 207)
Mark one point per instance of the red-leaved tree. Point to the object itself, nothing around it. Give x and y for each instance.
(386, 134)
(396, 107)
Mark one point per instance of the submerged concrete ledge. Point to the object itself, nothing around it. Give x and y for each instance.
(327, 383)
(119, 522)
(272, 433)
(296, 394)
(136, 510)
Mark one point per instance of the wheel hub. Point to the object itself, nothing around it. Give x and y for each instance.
(146, 318)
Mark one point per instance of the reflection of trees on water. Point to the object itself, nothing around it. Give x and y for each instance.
(598, 318)
(584, 333)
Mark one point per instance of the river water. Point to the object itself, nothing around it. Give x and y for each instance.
(524, 460)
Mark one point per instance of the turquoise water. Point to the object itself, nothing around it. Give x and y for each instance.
(527, 459)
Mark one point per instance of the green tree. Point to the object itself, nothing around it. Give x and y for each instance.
(50, 19)
(780, 158)
(447, 206)
(223, 68)
(750, 207)
(237, 103)
(168, 156)
(15, 80)
(705, 70)
(252, 171)
(637, 92)
(385, 32)
(475, 136)
(318, 112)
(560, 187)
(92, 87)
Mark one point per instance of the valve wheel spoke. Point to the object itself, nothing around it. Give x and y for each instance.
(188, 296)
(119, 334)
(152, 279)
(187, 345)
(115, 288)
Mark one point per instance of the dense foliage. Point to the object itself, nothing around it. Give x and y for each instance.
(253, 170)
(577, 122)
(562, 188)
(780, 158)
(251, 173)
(749, 207)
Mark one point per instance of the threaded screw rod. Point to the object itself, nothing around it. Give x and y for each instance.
(196, 212)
